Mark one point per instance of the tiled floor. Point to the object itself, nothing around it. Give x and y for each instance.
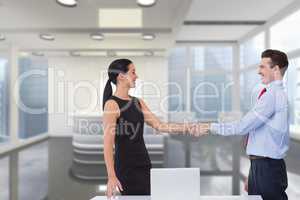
(44, 170)
(33, 172)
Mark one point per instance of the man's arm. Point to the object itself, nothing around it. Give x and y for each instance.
(258, 116)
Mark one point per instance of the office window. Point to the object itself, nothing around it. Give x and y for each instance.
(285, 34)
(212, 58)
(33, 116)
(177, 77)
(211, 94)
(292, 81)
(206, 72)
(4, 178)
(251, 50)
(3, 100)
(250, 88)
(211, 81)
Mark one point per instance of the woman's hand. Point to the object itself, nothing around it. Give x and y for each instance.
(199, 129)
(113, 184)
(246, 185)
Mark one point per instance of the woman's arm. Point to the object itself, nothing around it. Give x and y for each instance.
(110, 116)
(165, 127)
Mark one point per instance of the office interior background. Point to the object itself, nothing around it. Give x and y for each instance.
(53, 64)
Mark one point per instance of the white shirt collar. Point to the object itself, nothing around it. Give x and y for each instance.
(275, 83)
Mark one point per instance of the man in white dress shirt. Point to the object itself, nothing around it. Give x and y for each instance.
(266, 130)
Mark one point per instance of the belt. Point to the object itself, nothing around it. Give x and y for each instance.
(253, 157)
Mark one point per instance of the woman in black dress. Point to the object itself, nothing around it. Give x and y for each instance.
(123, 122)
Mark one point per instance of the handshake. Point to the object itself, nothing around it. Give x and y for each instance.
(190, 128)
(198, 129)
(195, 129)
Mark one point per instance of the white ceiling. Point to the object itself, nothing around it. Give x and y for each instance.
(227, 10)
(212, 33)
(23, 20)
(48, 14)
(82, 41)
(235, 9)
(26, 19)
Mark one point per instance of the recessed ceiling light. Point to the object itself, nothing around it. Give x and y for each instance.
(148, 36)
(146, 3)
(2, 37)
(149, 53)
(74, 53)
(67, 3)
(38, 54)
(97, 36)
(46, 36)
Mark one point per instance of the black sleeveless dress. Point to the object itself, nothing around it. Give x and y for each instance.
(132, 162)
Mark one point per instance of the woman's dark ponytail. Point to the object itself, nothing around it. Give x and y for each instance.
(107, 92)
(116, 67)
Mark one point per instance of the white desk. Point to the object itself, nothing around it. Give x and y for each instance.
(201, 198)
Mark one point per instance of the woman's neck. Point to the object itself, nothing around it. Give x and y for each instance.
(122, 92)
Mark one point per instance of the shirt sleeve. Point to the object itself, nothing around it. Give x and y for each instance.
(259, 115)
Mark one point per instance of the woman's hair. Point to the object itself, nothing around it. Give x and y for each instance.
(115, 68)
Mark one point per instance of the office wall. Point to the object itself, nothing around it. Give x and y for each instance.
(76, 87)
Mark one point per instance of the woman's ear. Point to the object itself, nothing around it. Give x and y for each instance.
(121, 76)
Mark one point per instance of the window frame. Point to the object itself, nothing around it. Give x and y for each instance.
(293, 54)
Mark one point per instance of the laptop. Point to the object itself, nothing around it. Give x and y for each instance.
(175, 183)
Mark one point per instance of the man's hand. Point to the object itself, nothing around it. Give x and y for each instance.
(199, 129)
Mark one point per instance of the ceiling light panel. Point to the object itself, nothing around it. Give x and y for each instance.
(120, 18)
(92, 53)
(130, 53)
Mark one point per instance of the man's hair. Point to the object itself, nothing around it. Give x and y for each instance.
(278, 58)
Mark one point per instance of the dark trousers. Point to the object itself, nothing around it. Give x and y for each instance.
(268, 178)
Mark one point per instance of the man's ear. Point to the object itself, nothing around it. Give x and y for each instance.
(276, 68)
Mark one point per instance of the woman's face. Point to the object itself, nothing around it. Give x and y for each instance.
(130, 77)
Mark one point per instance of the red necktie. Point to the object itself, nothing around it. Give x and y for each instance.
(262, 92)
(246, 137)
